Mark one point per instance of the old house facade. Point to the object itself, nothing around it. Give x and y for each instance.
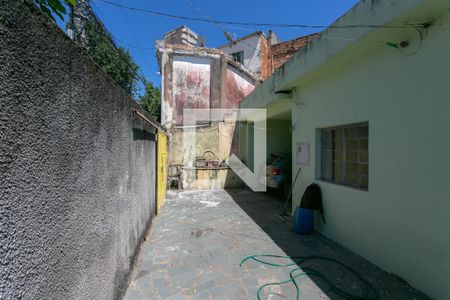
(194, 76)
(252, 51)
(264, 54)
(198, 77)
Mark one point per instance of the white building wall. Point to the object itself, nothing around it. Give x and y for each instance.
(401, 223)
(252, 52)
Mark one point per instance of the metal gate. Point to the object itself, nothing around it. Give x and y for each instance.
(162, 169)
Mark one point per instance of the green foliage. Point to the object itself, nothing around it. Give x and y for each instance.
(151, 101)
(115, 61)
(51, 7)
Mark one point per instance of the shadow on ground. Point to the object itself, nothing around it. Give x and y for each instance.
(199, 238)
(266, 209)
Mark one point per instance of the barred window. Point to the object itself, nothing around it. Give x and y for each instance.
(345, 155)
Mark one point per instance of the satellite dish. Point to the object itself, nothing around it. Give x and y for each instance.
(228, 36)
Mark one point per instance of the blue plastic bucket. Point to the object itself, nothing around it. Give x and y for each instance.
(303, 221)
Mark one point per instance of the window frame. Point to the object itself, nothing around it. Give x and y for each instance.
(240, 54)
(322, 176)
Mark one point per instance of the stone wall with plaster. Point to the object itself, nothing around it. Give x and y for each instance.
(77, 180)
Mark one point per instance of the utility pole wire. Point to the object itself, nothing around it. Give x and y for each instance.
(274, 25)
(134, 36)
(140, 76)
(222, 27)
(202, 12)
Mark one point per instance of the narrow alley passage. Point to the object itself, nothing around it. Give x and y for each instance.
(198, 241)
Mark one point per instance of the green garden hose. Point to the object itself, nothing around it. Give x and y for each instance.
(369, 292)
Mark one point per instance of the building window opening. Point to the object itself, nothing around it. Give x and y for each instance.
(238, 57)
(344, 155)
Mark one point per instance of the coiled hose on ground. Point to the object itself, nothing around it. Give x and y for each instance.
(369, 292)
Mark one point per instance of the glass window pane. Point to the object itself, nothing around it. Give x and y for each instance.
(351, 156)
(326, 166)
(364, 156)
(352, 144)
(352, 179)
(345, 155)
(364, 131)
(326, 139)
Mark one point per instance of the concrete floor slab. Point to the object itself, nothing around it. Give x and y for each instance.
(200, 237)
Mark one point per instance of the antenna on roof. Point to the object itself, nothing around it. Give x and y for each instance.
(228, 36)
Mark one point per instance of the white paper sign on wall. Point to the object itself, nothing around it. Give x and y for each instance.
(302, 153)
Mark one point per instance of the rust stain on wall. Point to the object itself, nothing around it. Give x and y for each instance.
(191, 85)
(237, 89)
(196, 77)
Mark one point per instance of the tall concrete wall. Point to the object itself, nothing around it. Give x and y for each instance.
(77, 188)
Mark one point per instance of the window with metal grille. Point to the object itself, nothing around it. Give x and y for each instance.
(345, 155)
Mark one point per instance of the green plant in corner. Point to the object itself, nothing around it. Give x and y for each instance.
(151, 101)
(88, 32)
(56, 7)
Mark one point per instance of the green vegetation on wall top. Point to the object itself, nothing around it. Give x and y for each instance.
(51, 7)
(90, 33)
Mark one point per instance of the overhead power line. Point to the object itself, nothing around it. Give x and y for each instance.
(140, 76)
(202, 12)
(139, 48)
(273, 25)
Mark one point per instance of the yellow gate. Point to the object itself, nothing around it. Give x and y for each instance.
(162, 169)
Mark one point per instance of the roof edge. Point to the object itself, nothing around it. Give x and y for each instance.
(246, 37)
(321, 50)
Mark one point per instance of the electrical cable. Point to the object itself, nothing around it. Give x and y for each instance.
(274, 25)
(126, 44)
(140, 50)
(383, 42)
(140, 77)
(202, 12)
(220, 23)
(368, 291)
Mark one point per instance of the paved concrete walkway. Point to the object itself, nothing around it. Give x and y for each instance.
(199, 239)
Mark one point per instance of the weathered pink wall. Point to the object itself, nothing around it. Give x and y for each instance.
(191, 84)
(237, 88)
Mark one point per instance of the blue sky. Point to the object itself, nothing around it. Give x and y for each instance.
(138, 31)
